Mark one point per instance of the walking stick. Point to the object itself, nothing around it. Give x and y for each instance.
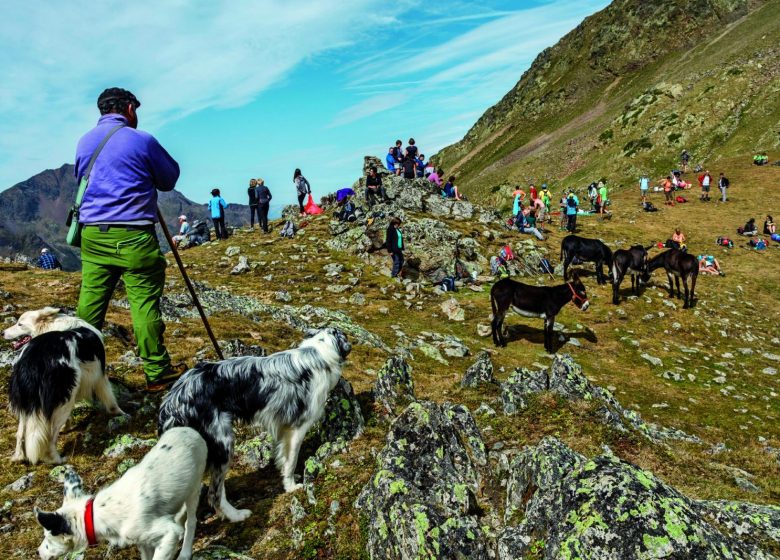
(190, 287)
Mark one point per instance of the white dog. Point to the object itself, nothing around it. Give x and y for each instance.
(62, 361)
(144, 508)
(285, 393)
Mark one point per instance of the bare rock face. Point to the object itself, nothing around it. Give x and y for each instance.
(421, 501)
(572, 507)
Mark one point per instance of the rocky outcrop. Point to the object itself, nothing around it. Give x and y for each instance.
(572, 507)
(565, 377)
(421, 501)
(394, 387)
(480, 372)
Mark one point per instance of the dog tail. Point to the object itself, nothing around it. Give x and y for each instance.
(36, 436)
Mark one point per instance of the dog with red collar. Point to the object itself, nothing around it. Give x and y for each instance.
(61, 361)
(145, 508)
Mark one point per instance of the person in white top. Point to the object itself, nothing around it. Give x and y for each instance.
(184, 229)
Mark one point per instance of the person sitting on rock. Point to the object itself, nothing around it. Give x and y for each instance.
(450, 190)
(184, 229)
(435, 177)
(708, 264)
(769, 226)
(429, 168)
(527, 224)
(374, 189)
(749, 228)
(47, 260)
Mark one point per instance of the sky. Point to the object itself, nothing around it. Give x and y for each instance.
(243, 89)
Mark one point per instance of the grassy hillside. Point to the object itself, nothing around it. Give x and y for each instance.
(625, 92)
(716, 380)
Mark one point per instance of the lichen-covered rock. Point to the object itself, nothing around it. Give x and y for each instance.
(256, 452)
(242, 266)
(606, 508)
(125, 443)
(452, 310)
(394, 387)
(481, 371)
(565, 378)
(421, 501)
(752, 522)
(343, 420)
(236, 347)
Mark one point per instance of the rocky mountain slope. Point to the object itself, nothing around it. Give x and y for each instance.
(653, 433)
(625, 92)
(34, 214)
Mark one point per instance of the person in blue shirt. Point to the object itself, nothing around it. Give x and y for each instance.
(572, 205)
(217, 206)
(390, 160)
(48, 261)
(421, 166)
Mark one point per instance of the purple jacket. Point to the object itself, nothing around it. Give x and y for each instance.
(126, 175)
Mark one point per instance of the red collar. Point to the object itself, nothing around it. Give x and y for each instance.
(89, 523)
(575, 295)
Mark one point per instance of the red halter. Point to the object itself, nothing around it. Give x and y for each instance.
(89, 523)
(575, 295)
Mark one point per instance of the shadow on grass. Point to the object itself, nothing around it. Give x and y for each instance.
(536, 335)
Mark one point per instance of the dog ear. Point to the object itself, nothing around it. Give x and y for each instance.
(48, 311)
(53, 522)
(73, 486)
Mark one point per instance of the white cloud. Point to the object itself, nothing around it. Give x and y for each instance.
(371, 106)
(177, 57)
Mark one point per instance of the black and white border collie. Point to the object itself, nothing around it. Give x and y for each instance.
(284, 393)
(145, 508)
(62, 361)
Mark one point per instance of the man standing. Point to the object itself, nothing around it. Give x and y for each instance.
(118, 240)
(394, 242)
(602, 199)
(263, 204)
(723, 184)
(705, 186)
(252, 194)
(572, 205)
(217, 206)
(47, 261)
(644, 186)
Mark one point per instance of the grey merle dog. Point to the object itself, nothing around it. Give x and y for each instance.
(284, 393)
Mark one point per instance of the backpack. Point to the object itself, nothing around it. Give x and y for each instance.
(499, 268)
(725, 242)
(740, 230)
(758, 244)
(650, 208)
(448, 284)
(505, 253)
(288, 230)
(571, 203)
(545, 266)
(681, 199)
(776, 237)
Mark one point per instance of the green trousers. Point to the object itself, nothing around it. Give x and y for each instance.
(135, 257)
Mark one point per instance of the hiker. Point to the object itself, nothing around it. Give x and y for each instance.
(450, 190)
(409, 167)
(421, 165)
(347, 212)
(644, 186)
(398, 155)
(429, 169)
(705, 180)
(517, 200)
(685, 157)
(411, 150)
(47, 260)
(184, 229)
(390, 160)
(769, 226)
(546, 196)
(677, 240)
(593, 194)
(668, 191)
(252, 194)
(119, 212)
(603, 197)
(302, 188)
(749, 228)
(708, 264)
(527, 224)
(263, 205)
(395, 245)
(723, 185)
(539, 209)
(374, 188)
(435, 177)
(217, 206)
(532, 193)
(572, 206)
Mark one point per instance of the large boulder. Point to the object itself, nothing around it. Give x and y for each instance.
(606, 508)
(343, 420)
(480, 372)
(394, 387)
(421, 501)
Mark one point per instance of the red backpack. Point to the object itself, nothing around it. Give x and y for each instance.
(506, 253)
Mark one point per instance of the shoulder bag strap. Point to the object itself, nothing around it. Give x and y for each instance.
(85, 179)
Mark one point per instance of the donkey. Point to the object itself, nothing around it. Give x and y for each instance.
(678, 265)
(544, 302)
(631, 261)
(580, 249)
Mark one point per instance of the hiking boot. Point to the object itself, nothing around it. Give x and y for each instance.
(167, 378)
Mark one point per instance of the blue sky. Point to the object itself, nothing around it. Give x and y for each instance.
(255, 89)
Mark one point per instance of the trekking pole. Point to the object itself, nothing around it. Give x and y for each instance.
(190, 287)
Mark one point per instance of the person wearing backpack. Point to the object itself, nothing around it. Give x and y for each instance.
(723, 185)
(302, 187)
(217, 206)
(252, 195)
(394, 243)
(263, 204)
(572, 205)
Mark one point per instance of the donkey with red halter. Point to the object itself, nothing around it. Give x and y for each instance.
(678, 265)
(631, 261)
(544, 302)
